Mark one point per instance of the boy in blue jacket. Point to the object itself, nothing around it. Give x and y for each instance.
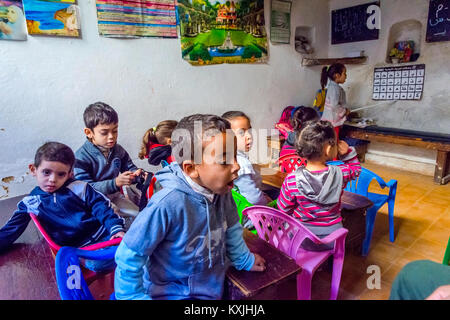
(72, 212)
(180, 245)
(102, 162)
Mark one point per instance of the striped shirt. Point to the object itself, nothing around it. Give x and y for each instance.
(315, 197)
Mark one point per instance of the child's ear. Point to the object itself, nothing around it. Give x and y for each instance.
(32, 169)
(190, 169)
(328, 151)
(89, 133)
(169, 141)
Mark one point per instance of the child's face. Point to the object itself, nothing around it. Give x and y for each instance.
(340, 78)
(241, 127)
(51, 175)
(12, 15)
(103, 135)
(219, 167)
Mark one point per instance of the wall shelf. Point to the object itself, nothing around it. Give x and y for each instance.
(306, 62)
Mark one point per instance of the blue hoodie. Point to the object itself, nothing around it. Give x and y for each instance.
(177, 248)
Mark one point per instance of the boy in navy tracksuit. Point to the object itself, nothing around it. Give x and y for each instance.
(71, 212)
(103, 163)
(180, 245)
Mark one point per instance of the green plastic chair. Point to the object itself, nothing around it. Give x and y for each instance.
(447, 254)
(242, 203)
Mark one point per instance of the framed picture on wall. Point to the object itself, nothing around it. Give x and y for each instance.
(52, 18)
(12, 20)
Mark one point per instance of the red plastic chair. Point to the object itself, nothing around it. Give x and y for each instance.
(287, 234)
(291, 162)
(89, 275)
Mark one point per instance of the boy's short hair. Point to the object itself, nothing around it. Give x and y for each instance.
(230, 115)
(187, 133)
(99, 113)
(54, 151)
(311, 140)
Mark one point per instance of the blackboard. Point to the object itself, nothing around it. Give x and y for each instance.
(350, 24)
(438, 24)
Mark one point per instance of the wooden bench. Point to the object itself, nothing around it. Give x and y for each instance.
(427, 140)
(277, 282)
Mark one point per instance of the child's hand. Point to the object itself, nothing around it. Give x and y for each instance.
(138, 172)
(441, 293)
(260, 263)
(342, 147)
(124, 179)
(118, 235)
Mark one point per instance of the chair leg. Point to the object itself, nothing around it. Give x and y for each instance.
(370, 220)
(304, 285)
(391, 204)
(338, 263)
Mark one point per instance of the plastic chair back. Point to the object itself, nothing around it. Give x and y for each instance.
(361, 186)
(291, 162)
(55, 247)
(287, 234)
(241, 204)
(69, 278)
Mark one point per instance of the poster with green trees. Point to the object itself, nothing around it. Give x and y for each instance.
(220, 31)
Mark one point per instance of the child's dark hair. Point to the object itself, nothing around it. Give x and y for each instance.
(183, 137)
(158, 135)
(230, 115)
(303, 115)
(54, 151)
(313, 137)
(330, 72)
(99, 113)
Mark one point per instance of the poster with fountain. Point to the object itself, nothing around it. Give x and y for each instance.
(220, 31)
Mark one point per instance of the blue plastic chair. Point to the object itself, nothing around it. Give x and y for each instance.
(69, 278)
(361, 186)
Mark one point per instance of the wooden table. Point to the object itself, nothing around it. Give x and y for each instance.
(353, 208)
(27, 268)
(277, 282)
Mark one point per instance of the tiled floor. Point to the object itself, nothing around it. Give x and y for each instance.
(422, 230)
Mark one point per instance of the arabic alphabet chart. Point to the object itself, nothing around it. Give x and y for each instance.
(399, 83)
(438, 24)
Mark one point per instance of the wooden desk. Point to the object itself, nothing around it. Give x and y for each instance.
(277, 282)
(27, 269)
(427, 140)
(353, 208)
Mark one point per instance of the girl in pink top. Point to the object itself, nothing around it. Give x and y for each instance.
(300, 116)
(313, 193)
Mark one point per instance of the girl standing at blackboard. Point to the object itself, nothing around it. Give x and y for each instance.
(335, 109)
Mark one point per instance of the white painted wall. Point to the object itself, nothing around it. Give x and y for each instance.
(47, 82)
(432, 113)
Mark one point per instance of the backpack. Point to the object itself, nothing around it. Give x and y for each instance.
(283, 125)
(319, 100)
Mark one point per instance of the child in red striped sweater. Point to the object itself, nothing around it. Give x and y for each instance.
(313, 193)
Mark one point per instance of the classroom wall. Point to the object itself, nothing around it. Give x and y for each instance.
(47, 82)
(432, 113)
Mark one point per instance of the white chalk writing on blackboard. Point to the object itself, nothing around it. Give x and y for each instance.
(438, 21)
